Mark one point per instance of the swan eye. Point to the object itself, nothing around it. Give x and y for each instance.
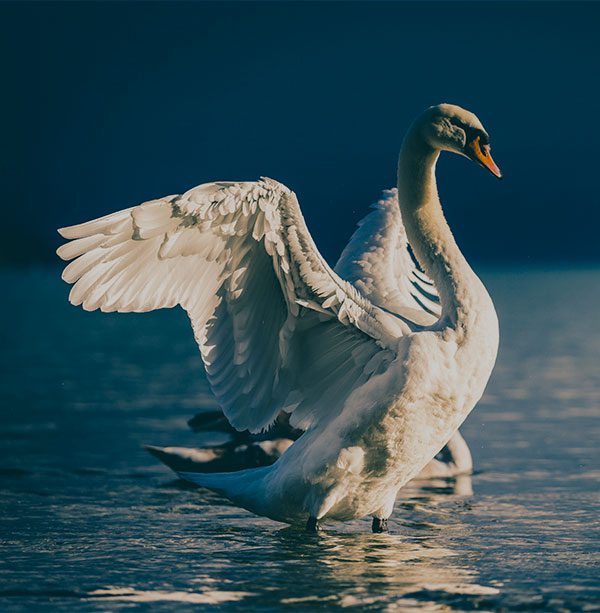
(479, 152)
(476, 136)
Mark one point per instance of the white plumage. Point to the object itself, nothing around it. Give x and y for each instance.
(378, 362)
(378, 262)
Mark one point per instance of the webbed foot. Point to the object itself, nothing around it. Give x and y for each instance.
(312, 525)
(379, 525)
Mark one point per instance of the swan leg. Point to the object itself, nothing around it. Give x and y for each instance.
(312, 525)
(379, 525)
(380, 517)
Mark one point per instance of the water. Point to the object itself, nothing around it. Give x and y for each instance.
(91, 522)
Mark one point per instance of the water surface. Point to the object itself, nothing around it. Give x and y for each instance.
(91, 522)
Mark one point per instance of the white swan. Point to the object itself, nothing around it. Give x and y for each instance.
(377, 392)
(377, 262)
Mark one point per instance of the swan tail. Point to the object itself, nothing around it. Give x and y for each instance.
(245, 488)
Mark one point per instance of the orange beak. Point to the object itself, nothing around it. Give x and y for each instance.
(481, 154)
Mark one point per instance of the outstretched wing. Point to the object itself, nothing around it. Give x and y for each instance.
(378, 262)
(277, 328)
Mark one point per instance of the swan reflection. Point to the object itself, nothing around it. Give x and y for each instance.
(415, 564)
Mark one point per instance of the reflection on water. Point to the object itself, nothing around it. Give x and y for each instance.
(89, 518)
(412, 563)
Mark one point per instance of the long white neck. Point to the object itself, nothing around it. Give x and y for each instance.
(461, 292)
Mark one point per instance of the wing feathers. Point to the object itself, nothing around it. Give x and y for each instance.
(109, 224)
(378, 261)
(239, 258)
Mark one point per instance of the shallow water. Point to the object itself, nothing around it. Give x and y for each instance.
(91, 522)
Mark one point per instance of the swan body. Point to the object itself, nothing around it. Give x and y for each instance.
(378, 390)
(375, 261)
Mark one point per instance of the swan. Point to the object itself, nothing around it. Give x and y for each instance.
(377, 390)
(369, 263)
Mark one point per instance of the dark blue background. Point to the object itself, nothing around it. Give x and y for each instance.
(108, 104)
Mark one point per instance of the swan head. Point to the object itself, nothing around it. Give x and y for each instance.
(448, 127)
